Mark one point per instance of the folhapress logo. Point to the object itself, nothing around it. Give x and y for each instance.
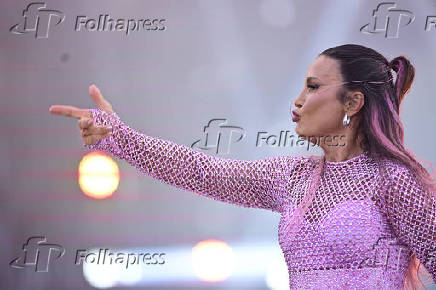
(387, 19)
(220, 135)
(38, 20)
(37, 253)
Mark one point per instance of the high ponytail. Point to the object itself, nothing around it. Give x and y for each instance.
(405, 74)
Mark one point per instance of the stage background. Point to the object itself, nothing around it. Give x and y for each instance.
(241, 61)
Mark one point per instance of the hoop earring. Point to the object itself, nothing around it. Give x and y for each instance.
(346, 120)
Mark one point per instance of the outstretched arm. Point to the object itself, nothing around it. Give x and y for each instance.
(248, 183)
(411, 211)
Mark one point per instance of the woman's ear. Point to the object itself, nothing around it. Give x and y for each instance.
(354, 103)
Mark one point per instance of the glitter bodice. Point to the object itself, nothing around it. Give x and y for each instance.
(359, 232)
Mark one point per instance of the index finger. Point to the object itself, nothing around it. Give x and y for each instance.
(70, 111)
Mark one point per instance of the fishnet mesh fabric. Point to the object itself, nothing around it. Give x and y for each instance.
(358, 230)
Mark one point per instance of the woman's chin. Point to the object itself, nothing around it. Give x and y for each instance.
(298, 130)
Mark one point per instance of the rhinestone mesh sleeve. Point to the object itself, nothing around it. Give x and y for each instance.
(411, 211)
(248, 183)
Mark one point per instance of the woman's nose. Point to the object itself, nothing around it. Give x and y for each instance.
(297, 103)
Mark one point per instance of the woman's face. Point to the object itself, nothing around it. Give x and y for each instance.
(320, 111)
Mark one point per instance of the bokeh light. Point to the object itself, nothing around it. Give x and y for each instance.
(99, 175)
(213, 260)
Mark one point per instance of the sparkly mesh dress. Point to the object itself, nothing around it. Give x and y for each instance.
(358, 233)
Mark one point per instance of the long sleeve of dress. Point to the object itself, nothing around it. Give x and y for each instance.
(248, 183)
(411, 211)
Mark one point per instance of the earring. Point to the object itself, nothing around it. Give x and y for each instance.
(346, 120)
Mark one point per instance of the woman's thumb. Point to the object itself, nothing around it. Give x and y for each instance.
(98, 98)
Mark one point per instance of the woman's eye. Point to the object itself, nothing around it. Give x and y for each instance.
(312, 87)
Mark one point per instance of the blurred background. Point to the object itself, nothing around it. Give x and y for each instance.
(195, 67)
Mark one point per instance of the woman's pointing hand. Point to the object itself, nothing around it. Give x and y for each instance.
(89, 132)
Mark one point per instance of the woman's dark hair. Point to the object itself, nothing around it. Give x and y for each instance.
(380, 125)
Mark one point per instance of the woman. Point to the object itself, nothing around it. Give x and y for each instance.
(361, 216)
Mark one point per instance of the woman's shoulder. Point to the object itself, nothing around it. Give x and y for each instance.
(395, 168)
(403, 179)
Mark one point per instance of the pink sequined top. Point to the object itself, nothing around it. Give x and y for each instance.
(359, 232)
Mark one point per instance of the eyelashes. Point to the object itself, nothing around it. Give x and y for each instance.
(312, 87)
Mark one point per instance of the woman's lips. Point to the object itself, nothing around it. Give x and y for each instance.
(295, 116)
